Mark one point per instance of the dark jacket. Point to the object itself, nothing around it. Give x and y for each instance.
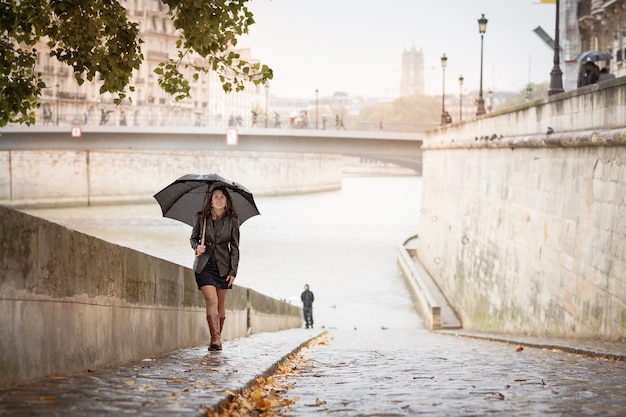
(307, 298)
(221, 238)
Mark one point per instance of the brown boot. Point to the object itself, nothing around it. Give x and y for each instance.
(222, 325)
(214, 328)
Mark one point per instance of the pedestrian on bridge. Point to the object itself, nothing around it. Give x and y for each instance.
(215, 241)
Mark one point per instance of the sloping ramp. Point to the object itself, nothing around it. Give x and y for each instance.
(431, 302)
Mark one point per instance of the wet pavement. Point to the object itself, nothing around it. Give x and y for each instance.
(410, 372)
(183, 383)
(372, 371)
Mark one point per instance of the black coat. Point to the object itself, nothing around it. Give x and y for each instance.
(307, 298)
(221, 238)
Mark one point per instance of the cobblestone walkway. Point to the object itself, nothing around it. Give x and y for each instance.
(410, 372)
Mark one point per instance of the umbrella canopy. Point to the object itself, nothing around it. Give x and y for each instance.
(185, 197)
(593, 56)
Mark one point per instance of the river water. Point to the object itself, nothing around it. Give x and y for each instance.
(342, 243)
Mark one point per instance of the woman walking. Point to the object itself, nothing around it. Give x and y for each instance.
(215, 241)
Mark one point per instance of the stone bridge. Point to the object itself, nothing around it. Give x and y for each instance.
(403, 149)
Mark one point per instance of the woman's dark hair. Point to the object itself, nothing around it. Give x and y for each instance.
(228, 211)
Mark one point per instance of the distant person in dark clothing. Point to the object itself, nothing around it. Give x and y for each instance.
(589, 74)
(307, 302)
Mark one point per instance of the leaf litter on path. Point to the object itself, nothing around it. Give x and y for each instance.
(267, 396)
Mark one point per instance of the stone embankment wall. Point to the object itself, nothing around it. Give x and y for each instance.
(525, 230)
(70, 302)
(55, 177)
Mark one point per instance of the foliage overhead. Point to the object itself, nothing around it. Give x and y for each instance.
(96, 39)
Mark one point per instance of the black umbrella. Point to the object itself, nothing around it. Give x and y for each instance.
(185, 197)
(593, 56)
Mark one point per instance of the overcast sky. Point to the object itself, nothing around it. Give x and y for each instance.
(356, 46)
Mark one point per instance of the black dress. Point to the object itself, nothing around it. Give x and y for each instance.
(211, 276)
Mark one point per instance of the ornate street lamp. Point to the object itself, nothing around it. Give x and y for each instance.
(461, 98)
(482, 27)
(444, 62)
(556, 75)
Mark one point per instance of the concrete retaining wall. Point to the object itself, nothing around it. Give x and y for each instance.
(85, 177)
(71, 302)
(526, 233)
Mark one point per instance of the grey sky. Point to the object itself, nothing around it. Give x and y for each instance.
(356, 45)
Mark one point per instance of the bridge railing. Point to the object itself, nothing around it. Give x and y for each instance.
(126, 117)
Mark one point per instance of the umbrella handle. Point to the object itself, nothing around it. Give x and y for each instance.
(203, 232)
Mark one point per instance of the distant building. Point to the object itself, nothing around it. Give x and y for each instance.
(601, 25)
(64, 102)
(412, 81)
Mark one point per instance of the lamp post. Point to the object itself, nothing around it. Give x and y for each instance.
(316, 106)
(556, 75)
(482, 27)
(461, 98)
(444, 62)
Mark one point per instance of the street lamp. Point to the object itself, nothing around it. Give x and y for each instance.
(316, 106)
(461, 98)
(444, 62)
(482, 27)
(556, 75)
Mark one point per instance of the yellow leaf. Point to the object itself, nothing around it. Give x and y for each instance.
(130, 382)
(256, 395)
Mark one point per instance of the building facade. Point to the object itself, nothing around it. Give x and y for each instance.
(412, 81)
(602, 25)
(64, 102)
